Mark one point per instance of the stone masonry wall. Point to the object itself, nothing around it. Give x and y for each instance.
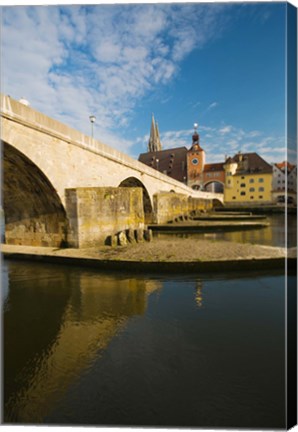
(42, 230)
(96, 213)
(199, 204)
(169, 206)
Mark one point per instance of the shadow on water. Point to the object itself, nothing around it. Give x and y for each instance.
(93, 348)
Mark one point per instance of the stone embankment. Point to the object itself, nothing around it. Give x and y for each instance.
(175, 255)
(200, 221)
(209, 225)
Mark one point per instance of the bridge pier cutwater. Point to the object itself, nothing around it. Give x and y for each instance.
(63, 188)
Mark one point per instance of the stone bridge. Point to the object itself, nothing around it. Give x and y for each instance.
(55, 176)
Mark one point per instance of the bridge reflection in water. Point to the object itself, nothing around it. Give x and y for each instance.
(82, 347)
(90, 310)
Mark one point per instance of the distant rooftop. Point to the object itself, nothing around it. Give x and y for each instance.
(285, 165)
(172, 161)
(250, 163)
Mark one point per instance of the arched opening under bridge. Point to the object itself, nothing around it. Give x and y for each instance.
(147, 205)
(33, 212)
(214, 186)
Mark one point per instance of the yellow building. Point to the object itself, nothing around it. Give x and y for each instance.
(248, 180)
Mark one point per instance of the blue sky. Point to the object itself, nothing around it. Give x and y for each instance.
(219, 64)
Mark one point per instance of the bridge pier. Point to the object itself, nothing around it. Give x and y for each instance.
(96, 213)
(93, 214)
(169, 206)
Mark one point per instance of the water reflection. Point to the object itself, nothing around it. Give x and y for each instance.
(199, 294)
(82, 347)
(272, 235)
(71, 317)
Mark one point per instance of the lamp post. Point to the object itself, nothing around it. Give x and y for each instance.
(92, 119)
(157, 161)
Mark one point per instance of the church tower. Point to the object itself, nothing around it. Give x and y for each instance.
(154, 143)
(195, 162)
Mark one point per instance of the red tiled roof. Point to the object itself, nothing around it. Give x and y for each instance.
(214, 167)
(285, 164)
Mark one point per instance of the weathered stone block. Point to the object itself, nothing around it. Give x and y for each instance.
(111, 240)
(122, 239)
(139, 235)
(130, 235)
(168, 206)
(98, 212)
(148, 235)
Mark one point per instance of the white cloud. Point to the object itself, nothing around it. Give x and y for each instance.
(225, 130)
(73, 61)
(212, 105)
(254, 134)
(173, 139)
(217, 145)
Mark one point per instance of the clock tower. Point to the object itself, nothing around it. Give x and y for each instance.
(195, 162)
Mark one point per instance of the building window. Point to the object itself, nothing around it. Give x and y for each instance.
(260, 196)
(234, 197)
(242, 185)
(242, 193)
(251, 197)
(251, 180)
(229, 181)
(242, 177)
(251, 189)
(261, 180)
(261, 189)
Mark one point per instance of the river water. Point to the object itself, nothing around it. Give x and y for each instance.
(272, 235)
(83, 347)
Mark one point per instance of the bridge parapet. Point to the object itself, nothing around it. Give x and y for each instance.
(21, 114)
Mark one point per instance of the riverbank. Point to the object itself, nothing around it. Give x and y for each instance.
(212, 224)
(174, 255)
(261, 209)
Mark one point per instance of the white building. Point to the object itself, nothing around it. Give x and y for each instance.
(284, 183)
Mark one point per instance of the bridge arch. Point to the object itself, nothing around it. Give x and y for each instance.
(33, 211)
(215, 186)
(147, 204)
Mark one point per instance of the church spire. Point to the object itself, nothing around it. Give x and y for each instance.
(158, 143)
(154, 143)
